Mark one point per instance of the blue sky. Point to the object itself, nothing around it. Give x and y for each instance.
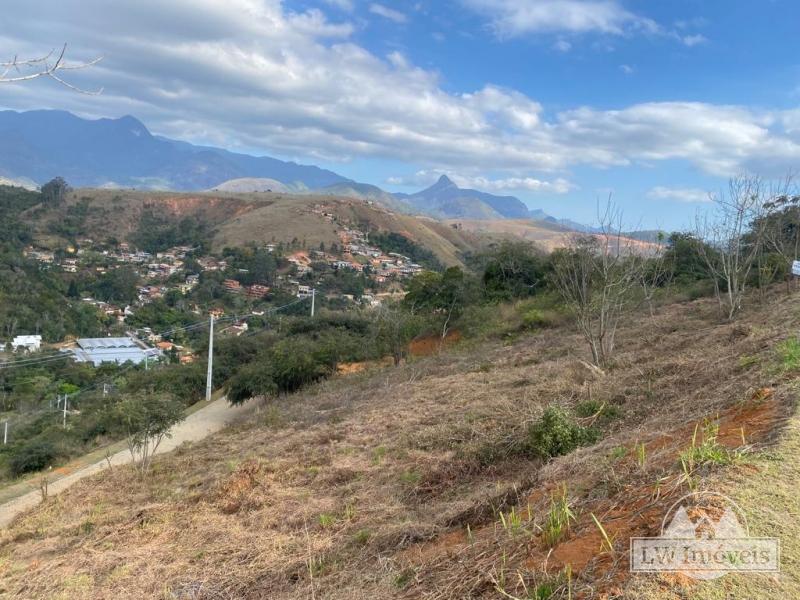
(559, 102)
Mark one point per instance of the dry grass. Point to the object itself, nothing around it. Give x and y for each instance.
(370, 486)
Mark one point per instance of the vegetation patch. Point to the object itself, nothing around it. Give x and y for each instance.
(557, 433)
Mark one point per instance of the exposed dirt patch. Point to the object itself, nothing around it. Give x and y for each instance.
(429, 345)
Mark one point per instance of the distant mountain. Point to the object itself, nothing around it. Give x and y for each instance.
(36, 146)
(39, 145)
(445, 199)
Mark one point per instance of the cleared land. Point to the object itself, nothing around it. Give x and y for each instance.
(391, 484)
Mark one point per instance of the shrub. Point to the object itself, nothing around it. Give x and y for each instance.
(535, 319)
(590, 408)
(33, 456)
(556, 433)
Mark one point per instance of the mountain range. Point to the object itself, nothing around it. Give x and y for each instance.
(36, 146)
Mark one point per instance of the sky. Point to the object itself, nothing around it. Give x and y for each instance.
(559, 102)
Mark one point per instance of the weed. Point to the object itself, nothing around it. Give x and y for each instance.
(595, 408)
(411, 477)
(317, 566)
(349, 511)
(273, 418)
(512, 522)
(607, 545)
(557, 523)
(402, 579)
(378, 454)
(619, 452)
(747, 361)
(556, 433)
(326, 520)
(707, 451)
(641, 455)
(362, 536)
(86, 527)
(789, 354)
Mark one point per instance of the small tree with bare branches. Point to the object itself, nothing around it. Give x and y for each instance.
(733, 234)
(596, 276)
(657, 271)
(146, 420)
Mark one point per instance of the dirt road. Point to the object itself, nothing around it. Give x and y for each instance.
(197, 426)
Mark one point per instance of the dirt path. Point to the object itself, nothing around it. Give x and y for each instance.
(197, 426)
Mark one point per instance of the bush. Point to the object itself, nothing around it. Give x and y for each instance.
(557, 433)
(33, 456)
(590, 408)
(535, 319)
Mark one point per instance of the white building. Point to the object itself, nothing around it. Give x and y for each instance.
(27, 343)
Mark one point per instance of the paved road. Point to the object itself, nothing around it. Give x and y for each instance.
(197, 426)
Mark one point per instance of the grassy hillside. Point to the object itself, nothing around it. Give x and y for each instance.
(236, 219)
(425, 480)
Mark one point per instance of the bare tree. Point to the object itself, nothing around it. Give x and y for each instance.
(51, 65)
(657, 272)
(733, 234)
(596, 277)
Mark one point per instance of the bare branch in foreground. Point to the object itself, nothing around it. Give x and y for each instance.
(19, 70)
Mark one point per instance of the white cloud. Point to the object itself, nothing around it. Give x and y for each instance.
(388, 13)
(627, 69)
(511, 18)
(679, 194)
(345, 5)
(251, 74)
(693, 40)
(562, 45)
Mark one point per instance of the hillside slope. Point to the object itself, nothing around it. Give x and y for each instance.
(236, 219)
(405, 483)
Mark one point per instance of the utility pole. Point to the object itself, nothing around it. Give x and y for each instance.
(313, 298)
(65, 410)
(210, 358)
(5, 433)
(146, 364)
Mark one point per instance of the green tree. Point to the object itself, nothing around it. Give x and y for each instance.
(514, 270)
(393, 329)
(118, 285)
(442, 294)
(54, 192)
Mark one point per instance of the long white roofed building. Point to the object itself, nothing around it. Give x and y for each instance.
(113, 350)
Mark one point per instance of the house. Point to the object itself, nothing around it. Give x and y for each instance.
(232, 285)
(257, 291)
(304, 291)
(27, 343)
